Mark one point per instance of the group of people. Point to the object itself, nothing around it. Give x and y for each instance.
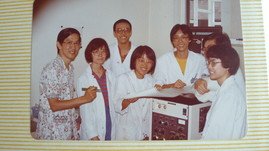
(97, 109)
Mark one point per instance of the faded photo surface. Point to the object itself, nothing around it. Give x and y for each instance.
(137, 70)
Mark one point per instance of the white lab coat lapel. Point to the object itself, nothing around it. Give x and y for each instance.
(91, 80)
(191, 62)
(99, 97)
(110, 79)
(177, 72)
(128, 57)
(132, 79)
(119, 67)
(116, 52)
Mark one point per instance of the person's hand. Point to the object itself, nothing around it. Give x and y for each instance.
(178, 84)
(90, 93)
(96, 138)
(201, 86)
(132, 100)
(188, 95)
(158, 87)
(126, 102)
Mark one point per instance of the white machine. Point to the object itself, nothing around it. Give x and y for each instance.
(178, 118)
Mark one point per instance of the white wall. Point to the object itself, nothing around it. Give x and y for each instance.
(231, 18)
(231, 23)
(152, 21)
(96, 16)
(161, 21)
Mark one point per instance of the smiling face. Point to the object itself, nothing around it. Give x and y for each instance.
(142, 66)
(181, 41)
(69, 49)
(99, 56)
(217, 71)
(123, 32)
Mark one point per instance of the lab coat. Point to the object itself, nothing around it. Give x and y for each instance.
(93, 115)
(168, 70)
(226, 118)
(115, 64)
(134, 121)
(213, 86)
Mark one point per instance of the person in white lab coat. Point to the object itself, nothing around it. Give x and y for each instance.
(226, 118)
(97, 117)
(206, 88)
(120, 52)
(134, 114)
(181, 67)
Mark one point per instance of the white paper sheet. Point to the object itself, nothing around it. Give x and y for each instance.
(153, 93)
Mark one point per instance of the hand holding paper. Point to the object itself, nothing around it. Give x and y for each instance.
(153, 92)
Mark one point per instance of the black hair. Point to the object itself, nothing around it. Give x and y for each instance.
(121, 21)
(94, 44)
(228, 56)
(184, 28)
(64, 33)
(219, 37)
(139, 52)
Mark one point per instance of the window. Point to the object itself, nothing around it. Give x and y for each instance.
(204, 13)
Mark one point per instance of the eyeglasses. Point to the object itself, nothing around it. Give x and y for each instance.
(143, 60)
(123, 30)
(183, 38)
(70, 43)
(99, 52)
(212, 63)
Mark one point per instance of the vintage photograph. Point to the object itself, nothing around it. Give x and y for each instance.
(137, 70)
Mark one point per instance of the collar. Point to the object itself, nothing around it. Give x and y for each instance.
(60, 59)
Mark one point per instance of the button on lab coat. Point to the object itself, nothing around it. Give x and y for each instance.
(168, 71)
(134, 121)
(227, 117)
(114, 62)
(93, 116)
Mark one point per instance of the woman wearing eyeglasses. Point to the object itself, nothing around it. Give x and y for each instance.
(206, 88)
(134, 113)
(97, 117)
(226, 118)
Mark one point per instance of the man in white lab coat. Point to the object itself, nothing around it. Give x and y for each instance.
(226, 118)
(181, 67)
(119, 61)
